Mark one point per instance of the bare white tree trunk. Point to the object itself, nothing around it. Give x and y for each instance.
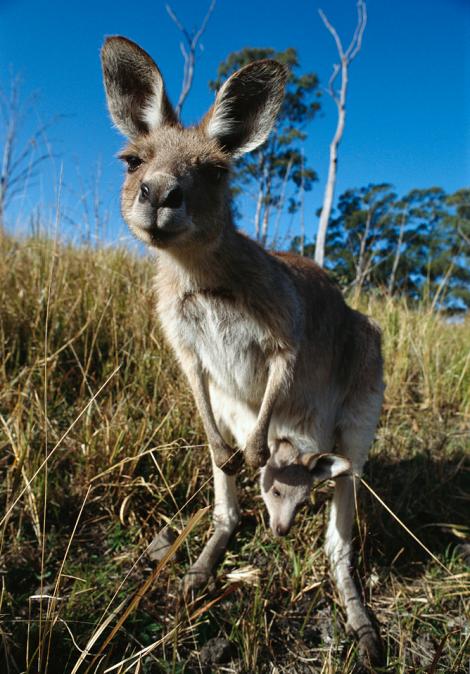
(267, 212)
(332, 170)
(189, 52)
(282, 200)
(259, 201)
(346, 58)
(361, 266)
(396, 259)
(302, 205)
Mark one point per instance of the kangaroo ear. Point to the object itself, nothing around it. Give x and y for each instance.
(246, 107)
(134, 87)
(324, 466)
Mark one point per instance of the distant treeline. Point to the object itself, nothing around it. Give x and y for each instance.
(417, 245)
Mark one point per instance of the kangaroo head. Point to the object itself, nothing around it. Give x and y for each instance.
(287, 479)
(176, 189)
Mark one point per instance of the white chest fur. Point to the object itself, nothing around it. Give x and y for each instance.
(230, 344)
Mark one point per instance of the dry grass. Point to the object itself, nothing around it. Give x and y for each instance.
(122, 464)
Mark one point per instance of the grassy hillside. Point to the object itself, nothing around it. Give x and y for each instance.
(127, 461)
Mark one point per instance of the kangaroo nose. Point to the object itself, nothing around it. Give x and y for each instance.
(161, 196)
(281, 531)
(144, 192)
(173, 198)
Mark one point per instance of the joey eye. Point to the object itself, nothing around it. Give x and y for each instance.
(133, 162)
(276, 492)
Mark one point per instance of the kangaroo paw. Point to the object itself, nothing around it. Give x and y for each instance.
(195, 579)
(228, 460)
(256, 453)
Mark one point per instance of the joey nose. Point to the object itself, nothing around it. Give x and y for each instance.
(173, 198)
(281, 531)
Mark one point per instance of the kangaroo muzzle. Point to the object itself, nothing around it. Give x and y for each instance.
(161, 206)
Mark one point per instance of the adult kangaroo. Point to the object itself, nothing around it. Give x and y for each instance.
(280, 367)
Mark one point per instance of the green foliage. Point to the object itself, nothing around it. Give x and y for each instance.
(417, 245)
(276, 172)
(458, 222)
(355, 236)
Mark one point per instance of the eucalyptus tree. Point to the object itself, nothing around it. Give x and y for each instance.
(355, 244)
(417, 245)
(339, 96)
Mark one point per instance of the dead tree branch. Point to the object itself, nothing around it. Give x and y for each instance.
(188, 51)
(339, 97)
(20, 157)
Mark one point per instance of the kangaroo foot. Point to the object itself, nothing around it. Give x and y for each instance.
(370, 645)
(195, 579)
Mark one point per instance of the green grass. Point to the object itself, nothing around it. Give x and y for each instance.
(124, 464)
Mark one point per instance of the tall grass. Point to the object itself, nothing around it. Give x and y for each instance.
(120, 465)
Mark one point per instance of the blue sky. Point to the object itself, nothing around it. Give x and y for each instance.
(408, 107)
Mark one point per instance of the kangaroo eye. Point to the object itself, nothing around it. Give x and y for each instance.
(212, 172)
(276, 492)
(133, 162)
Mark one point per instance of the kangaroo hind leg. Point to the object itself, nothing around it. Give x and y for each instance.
(353, 442)
(225, 519)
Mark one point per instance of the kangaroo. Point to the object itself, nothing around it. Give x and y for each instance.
(283, 372)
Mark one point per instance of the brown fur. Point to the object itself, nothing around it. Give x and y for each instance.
(274, 356)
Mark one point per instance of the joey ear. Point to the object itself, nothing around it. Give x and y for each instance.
(246, 107)
(134, 87)
(324, 466)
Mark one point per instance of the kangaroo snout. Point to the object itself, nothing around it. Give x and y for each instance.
(161, 193)
(160, 209)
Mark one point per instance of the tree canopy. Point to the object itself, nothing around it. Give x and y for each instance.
(417, 245)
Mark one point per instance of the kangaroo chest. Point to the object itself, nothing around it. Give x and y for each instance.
(229, 342)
